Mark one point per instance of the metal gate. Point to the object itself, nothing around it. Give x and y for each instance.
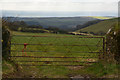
(35, 50)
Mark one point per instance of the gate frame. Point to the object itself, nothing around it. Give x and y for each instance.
(103, 49)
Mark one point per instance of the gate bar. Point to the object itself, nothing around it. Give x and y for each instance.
(54, 44)
(55, 51)
(48, 65)
(58, 61)
(50, 57)
(53, 36)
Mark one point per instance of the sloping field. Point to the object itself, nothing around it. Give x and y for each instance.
(103, 26)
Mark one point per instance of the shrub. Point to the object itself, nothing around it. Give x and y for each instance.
(6, 42)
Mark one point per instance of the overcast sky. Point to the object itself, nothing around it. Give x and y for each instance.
(109, 7)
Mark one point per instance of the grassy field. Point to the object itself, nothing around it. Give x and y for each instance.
(54, 45)
(102, 26)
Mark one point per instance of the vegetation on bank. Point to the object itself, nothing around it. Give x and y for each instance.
(6, 40)
(113, 41)
(7, 65)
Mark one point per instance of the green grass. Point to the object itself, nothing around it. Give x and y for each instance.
(102, 70)
(59, 51)
(8, 67)
(99, 70)
(102, 26)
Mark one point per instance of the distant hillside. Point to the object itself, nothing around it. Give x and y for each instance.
(66, 23)
(99, 28)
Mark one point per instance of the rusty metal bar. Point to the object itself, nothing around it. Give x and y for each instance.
(51, 57)
(58, 61)
(48, 65)
(53, 36)
(59, 51)
(53, 44)
(89, 37)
